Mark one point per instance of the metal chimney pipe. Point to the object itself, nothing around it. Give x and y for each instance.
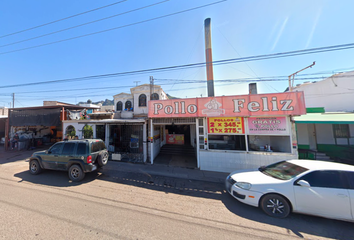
(252, 88)
(209, 58)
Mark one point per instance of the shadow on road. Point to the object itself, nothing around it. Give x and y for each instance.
(296, 223)
(55, 178)
(186, 187)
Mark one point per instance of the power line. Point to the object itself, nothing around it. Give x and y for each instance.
(62, 19)
(185, 81)
(260, 79)
(194, 65)
(80, 25)
(178, 67)
(111, 29)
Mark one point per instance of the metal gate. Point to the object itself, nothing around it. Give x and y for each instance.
(128, 142)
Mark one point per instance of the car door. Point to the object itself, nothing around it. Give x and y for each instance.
(350, 177)
(326, 196)
(50, 159)
(66, 155)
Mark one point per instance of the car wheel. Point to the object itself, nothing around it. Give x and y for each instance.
(102, 159)
(275, 206)
(34, 167)
(75, 173)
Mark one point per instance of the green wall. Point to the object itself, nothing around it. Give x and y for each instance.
(337, 151)
(345, 153)
(303, 155)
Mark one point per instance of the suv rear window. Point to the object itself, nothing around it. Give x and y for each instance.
(97, 146)
(81, 149)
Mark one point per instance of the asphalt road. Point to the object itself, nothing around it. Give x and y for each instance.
(118, 205)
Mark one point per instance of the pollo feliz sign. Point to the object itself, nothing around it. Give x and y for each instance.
(289, 103)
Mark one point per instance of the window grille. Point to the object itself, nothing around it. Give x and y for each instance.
(142, 100)
(341, 130)
(119, 106)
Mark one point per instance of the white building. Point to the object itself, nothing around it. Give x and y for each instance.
(125, 130)
(335, 94)
(136, 102)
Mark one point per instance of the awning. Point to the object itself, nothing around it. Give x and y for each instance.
(35, 117)
(112, 121)
(326, 118)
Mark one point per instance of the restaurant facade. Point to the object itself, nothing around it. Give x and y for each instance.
(228, 132)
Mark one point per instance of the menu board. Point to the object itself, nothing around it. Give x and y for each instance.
(226, 125)
(175, 139)
(268, 125)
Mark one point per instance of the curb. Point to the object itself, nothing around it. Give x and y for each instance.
(185, 174)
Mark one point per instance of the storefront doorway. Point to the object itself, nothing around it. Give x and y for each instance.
(178, 148)
(181, 134)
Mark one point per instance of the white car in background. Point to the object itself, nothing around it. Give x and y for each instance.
(311, 187)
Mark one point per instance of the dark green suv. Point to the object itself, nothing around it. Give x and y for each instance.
(75, 156)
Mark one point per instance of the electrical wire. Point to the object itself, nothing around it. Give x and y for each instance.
(331, 48)
(179, 82)
(84, 24)
(111, 29)
(177, 67)
(261, 79)
(62, 19)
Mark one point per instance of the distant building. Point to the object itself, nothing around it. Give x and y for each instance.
(4, 111)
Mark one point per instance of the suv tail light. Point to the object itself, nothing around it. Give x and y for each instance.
(89, 159)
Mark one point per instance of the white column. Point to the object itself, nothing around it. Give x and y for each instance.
(245, 125)
(144, 141)
(293, 137)
(107, 135)
(94, 130)
(197, 138)
(151, 142)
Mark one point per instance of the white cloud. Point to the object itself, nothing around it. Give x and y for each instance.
(314, 27)
(280, 33)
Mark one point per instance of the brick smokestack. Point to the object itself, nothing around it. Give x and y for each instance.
(209, 58)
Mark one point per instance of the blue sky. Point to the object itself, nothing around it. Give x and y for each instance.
(239, 29)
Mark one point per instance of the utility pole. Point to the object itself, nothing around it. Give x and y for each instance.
(294, 142)
(136, 83)
(151, 86)
(291, 83)
(13, 100)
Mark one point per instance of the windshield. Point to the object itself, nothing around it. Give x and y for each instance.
(282, 170)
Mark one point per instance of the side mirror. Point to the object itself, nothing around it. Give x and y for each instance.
(303, 183)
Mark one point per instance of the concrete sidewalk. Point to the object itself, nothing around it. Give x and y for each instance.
(167, 171)
(116, 166)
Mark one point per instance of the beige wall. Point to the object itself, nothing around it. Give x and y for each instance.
(4, 111)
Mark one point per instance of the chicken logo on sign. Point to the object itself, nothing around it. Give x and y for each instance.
(213, 108)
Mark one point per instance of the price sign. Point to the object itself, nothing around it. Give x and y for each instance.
(226, 125)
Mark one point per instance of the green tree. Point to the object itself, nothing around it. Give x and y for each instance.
(88, 131)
